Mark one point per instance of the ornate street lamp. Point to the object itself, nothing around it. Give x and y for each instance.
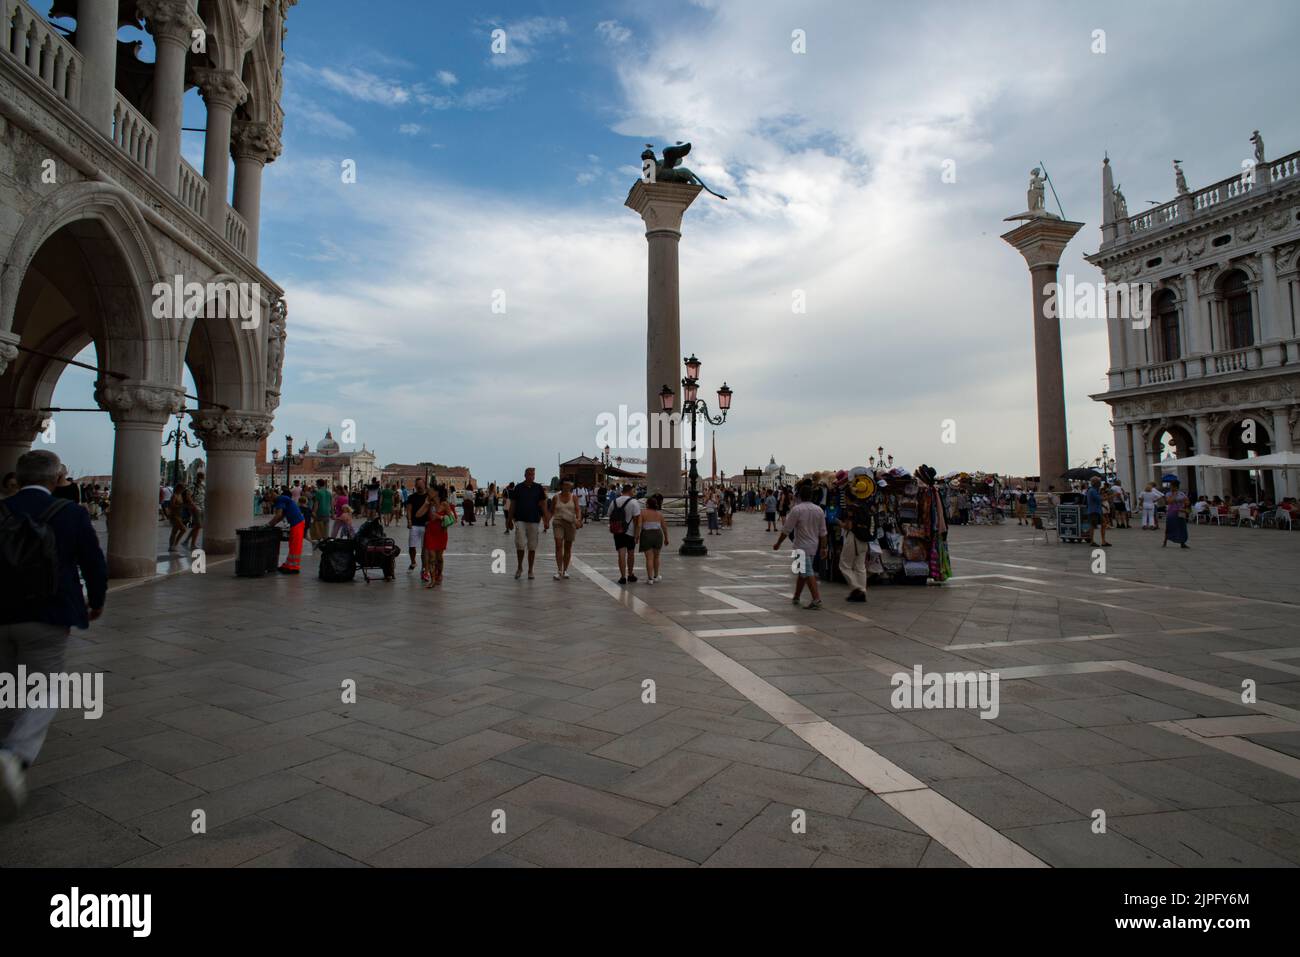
(275, 460)
(177, 436)
(288, 459)
(695, 407)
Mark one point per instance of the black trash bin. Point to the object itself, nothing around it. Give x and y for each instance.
(338, 559)
(258, 551)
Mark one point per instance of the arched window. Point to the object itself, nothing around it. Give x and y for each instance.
(1240, 324)
(1166, 327)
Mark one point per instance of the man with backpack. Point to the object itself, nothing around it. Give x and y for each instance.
(44, 541)
(624, 522)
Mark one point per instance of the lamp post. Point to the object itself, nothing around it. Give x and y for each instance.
(288, 459)
(695, 407)
(275, 460)
(176, 437)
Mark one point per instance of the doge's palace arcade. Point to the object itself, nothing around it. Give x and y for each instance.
(98, 210)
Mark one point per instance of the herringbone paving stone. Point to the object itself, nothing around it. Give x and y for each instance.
(504, 723)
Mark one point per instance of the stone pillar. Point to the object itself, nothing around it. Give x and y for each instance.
(1194, 332)
(662, 206)
(231, 441)
(1211, 483)
(96, 41)
(255, 145)
(1041, 239)
(139, 412)
(222, 91)
(1124, 458)
(1270, 311)
(170, 22)
(1281, 428)
(18, 430)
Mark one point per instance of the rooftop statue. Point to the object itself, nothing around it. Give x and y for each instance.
(1179, 179)
(667, 170)
(1258, 142)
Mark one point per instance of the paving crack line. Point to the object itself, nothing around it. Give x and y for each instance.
(966, 836)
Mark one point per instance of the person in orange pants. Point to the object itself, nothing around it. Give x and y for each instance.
(286, 509)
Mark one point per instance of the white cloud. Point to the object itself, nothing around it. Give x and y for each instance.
(523, 38)
(613, 32)
(410, 129)
(446, 78)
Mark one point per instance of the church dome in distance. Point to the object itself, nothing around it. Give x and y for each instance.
(327, 445)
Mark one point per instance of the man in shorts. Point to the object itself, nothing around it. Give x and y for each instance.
(805, 526)
(525, 510)
(415, 538)
(322, 507)
(625, 516)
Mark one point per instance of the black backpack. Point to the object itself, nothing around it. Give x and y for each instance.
(618, 517)
(29, 558)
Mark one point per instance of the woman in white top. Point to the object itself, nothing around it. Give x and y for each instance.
(1150, 497)
(654, 536)
(566, 519)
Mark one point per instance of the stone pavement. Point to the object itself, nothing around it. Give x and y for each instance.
(520, 704)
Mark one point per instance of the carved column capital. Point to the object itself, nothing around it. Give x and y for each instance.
(144, 402)
(220, 87)
(230, 431)
(254, 140)
(170, 20)
(22, 425)
(8, 350)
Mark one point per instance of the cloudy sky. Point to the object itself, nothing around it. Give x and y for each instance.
(479, 171)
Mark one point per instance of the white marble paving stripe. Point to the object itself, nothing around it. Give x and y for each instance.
(755, 630)
(1102, 637)
(1241, 748)
(122, 584)
(1265, 658)
(1236, 724)
(970, 839)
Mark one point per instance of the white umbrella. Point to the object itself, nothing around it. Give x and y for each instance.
(1198, 461)
(1277, 460)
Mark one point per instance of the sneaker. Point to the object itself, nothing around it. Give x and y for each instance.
(530, 576)
(794, 601)
(813, 605)
(622, 581)
(556, 576)
(424, 576)
(856, 595)
(13, 785)
(285, 570)
(564, 574)
(519, 573)
(649, 581)
(631, 578)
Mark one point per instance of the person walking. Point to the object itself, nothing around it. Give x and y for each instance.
(653, 537)
(46, 548)
(805, 526)
(177, 504)
(439, 515)
(198, 506)
(322, 508)
(416, 519)
(1022, 507)
(711, 511)
(769, 510)
(490, 504)
(505, 504)
(624, 525)
(854, 552)
(1150, 498)
(287, 510)
(566, 518)
(467, 506)
(1096, 509)
(387, 497)
(1176, 503)
(524, 512)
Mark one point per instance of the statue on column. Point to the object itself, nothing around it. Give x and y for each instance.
(1121, 204)
(1037, 201)
(1180, 181)
(667, 170)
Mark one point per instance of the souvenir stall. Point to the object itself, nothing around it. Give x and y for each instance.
(906, 517)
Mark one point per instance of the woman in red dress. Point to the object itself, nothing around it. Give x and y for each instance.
(437, 511)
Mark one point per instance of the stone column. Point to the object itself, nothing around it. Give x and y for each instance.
(662, 206)
(1193, 321)
(231, 441)
(96, 41)
(222, 91)
(255, 145)
(18, 430)
(1281, 429)
(139, 412)
(1124, 458)
(1041, 239)
(170, 22)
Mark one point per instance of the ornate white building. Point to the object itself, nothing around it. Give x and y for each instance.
(99, 211)
(1217, 371)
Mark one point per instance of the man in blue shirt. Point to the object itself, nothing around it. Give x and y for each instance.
(1095, 508)
(525, 510)
(34, 631)
(286, 509)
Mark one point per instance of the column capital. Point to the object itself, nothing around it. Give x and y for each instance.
(170, 20)
(22, 424)
(661, 205)
(220, 87)
(230, 431)
(254, 140)
(1041, 239)
(8, 350)
(148, 403)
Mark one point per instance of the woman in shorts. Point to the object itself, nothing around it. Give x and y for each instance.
(176, 508)
(566, 519)
(654, 536)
